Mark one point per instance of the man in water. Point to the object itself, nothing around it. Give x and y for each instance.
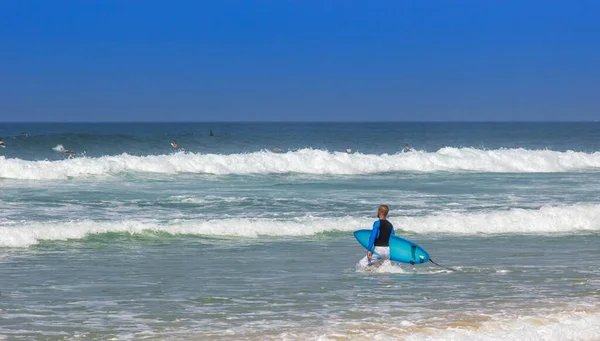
(379, 240)
(70, 153)
(406, 148)
(277, 149)
(210, 133)
(2, 142)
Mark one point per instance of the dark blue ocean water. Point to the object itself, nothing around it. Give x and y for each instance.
(35, 141)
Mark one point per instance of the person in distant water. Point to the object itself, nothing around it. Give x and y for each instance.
(348, 150)
(277, 149)
(379, 247)
(176, 146)
(406, 148)
(70, 153)
(210, 133)
(2, 142)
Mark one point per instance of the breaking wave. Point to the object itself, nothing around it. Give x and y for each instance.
(547, 219)
(307, 161)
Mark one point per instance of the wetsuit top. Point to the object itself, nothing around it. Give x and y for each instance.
(380, 235)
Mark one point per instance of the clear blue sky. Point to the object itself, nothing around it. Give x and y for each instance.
(299, 60)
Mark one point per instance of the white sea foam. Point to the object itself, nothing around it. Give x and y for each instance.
(548, 219)
(59, 148)
(307, 161)
(385, 267)
(17, 235)
(559, 326)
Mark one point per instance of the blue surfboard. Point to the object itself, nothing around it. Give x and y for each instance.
(401, 250)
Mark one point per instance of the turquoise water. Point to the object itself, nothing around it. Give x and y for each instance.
(133, 240)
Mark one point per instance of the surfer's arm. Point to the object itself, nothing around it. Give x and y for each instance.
(374, 235)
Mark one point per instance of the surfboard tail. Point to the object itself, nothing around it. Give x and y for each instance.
(405, 251)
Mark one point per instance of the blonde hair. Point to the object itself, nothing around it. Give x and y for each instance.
(383, 209)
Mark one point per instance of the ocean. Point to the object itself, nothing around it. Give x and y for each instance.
(224, 239)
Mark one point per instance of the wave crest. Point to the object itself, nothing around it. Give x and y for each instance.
(547, 219)
(307, 161)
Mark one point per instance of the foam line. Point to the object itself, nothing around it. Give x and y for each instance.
(307, 161)
(547, 219)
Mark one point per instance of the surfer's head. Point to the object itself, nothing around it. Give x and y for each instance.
(382, 212)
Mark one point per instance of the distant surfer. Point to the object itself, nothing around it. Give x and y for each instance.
(348, 150)
(210, 133)
(277, 149)
(70, 153)
(379, 246)
(406, 148)
(176, 146)
(2, 144)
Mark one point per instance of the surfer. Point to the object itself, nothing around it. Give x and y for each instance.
(176, 146)
(406, 148)
(210, 133)
(69, 153)
(277, 149)
(379, 239)
(2, 142)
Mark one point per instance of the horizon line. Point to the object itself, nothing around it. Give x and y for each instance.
(337, 122)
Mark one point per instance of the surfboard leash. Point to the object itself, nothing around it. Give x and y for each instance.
(441, 266)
